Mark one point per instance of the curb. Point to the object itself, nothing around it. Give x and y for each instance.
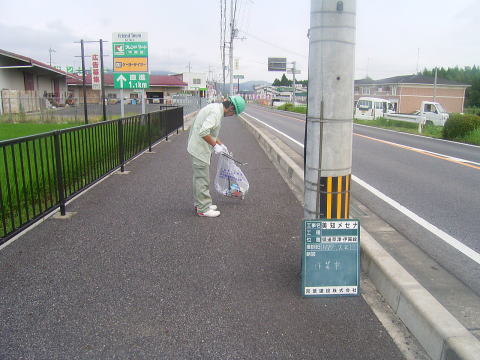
(441, 335)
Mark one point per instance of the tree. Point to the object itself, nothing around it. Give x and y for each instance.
(283, 82)
(467, 75)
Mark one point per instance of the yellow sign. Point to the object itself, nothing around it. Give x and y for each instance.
(130, 64)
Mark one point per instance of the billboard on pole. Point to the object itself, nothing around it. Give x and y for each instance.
(277, 64)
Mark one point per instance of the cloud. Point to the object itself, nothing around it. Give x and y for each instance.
(35, 43)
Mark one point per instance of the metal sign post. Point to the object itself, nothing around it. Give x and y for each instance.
(104, 106)
(83, 83)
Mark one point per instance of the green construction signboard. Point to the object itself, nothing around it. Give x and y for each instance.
(130, 49)
(330, 258)
(131, 80)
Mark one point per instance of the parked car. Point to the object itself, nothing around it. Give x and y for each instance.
(430, 113)
(369, 108)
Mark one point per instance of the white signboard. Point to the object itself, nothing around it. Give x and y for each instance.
(96, 78)
(130, 37)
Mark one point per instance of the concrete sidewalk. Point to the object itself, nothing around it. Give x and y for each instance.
(135, 274)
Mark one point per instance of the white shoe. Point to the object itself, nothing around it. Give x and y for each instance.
(210, 213)
(211, 207)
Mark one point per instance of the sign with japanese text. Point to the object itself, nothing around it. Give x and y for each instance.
(129, 49)
(330, 258)
(130, 65)
(131, 81)
(130, 60)
(95, 69)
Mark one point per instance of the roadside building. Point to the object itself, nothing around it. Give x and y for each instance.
(196, 83)
(162, 89)
(28, 85)
(407, 92)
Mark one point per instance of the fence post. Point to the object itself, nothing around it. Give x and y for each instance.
(165, 121)
(149, 134)
(58, 162)
(183, 120)
(121, 148)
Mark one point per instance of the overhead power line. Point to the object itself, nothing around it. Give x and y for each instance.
(272, 44)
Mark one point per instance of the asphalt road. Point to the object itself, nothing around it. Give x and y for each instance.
(440, 187)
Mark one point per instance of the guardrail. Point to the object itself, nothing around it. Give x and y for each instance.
(40, 173)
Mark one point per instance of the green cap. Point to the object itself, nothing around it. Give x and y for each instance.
(238, 102)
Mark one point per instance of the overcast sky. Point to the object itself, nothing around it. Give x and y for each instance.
(394, 37)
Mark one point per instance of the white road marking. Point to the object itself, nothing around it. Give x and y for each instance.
(472, 254)
(271, 127)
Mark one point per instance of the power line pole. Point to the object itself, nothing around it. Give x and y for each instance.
(50, 50)
(293, 73)
(223, 25)
(232, 36)
(83, 82)
(328, 139)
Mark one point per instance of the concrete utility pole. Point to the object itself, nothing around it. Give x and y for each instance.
(232, 36)
(85, 106)
(294, 63)
(50, 50)
(435, 86)
(328, 158)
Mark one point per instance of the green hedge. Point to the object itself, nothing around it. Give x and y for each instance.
(459, 125)
(290, 107)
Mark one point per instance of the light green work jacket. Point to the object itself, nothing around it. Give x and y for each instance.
(207, 122)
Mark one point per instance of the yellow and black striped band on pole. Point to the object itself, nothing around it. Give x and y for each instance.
(335, 197)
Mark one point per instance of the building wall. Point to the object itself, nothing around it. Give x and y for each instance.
(411, 97)
(11, 79)
(189, 77)
(43, 84)
(93, 96)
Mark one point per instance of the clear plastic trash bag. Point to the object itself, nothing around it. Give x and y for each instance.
(230, 180)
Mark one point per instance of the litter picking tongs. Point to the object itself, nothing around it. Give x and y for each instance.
(231, 158)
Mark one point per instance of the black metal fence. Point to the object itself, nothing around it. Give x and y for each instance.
(39, 173)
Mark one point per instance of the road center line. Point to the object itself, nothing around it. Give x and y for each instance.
(455, 160)
(472, 254)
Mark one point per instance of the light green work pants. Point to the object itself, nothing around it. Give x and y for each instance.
(201, 184)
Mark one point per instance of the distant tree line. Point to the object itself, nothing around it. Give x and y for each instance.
(467, 75)
(285, 82)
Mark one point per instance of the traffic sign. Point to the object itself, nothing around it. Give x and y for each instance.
(277, 64)
(290, 71)
(130, 60)
(130, 64)
(330, 258)
(130, 49)
(238, 76)
(131, 80)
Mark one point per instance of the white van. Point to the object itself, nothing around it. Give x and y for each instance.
(368, 108)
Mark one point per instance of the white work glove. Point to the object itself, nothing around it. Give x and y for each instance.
(218, 149)
(225, 149)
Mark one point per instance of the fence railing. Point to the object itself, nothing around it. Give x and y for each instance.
(40, 173)
(39, 109)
